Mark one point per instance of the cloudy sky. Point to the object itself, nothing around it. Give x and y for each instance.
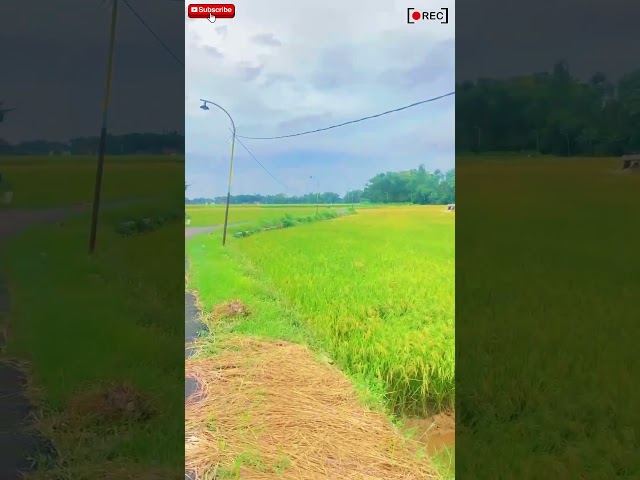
(283, 67)
(54, 57)
(502, 38)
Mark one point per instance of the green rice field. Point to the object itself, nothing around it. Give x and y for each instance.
(376, 289)
(55, 181)
(207, 215)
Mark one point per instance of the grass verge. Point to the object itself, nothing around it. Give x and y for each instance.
(97, 331)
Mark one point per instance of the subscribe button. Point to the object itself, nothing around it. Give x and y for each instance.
(216, 9)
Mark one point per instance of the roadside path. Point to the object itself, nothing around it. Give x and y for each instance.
(192, 323)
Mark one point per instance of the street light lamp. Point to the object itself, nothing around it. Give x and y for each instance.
(204, 106)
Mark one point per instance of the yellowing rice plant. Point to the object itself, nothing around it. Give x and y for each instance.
(378, 289)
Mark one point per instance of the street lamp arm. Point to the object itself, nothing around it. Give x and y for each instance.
(221, 108)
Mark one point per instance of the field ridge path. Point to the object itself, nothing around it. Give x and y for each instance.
(192, 322)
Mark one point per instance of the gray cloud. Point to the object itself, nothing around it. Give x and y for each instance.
(275, 78)
(335, 68)
(436, 63)
(268, 39)
(54, 69)
(213, 51)
(249, 72)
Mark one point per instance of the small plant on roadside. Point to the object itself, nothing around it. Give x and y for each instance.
(145, 224)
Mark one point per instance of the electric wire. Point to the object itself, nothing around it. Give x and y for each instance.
(429, 100)
(164, 45)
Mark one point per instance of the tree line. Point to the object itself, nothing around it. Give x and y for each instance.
(550, 113)
(130, 144)
(414, 186)
(277, 199)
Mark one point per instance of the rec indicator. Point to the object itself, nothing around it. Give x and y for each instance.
(209, 10)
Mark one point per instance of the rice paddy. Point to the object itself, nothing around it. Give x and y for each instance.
(377, 291)
(378, 287)
(206, 215)
(53, 181)
(371, 295)
(547, 286)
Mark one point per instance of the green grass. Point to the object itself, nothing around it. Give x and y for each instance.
(374, 289)
(445, 462)
(50, 181)
(235, 278)
(547, 286)
(83, 321)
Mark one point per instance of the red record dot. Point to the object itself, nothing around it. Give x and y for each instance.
(416, 15)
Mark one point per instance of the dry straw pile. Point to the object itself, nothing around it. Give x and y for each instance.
(269, 410)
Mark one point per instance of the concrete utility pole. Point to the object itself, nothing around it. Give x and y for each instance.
(233, 144)
(103, 131)
(317, 193)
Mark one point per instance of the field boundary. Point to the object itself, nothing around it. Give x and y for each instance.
(289, 221)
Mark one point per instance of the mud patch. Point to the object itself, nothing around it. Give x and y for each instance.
(115, 403)
(193, 325)
(231, 309)
(437, 432)
(191, 389)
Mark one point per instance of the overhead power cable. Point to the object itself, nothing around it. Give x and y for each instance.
(258, 162)
(429, 100)
(164, 45)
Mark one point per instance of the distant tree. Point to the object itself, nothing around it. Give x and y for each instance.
(550, 112)
(415, 186)
(354, 196)
(134, 143)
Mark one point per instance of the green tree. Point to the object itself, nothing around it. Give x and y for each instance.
(550, 112)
